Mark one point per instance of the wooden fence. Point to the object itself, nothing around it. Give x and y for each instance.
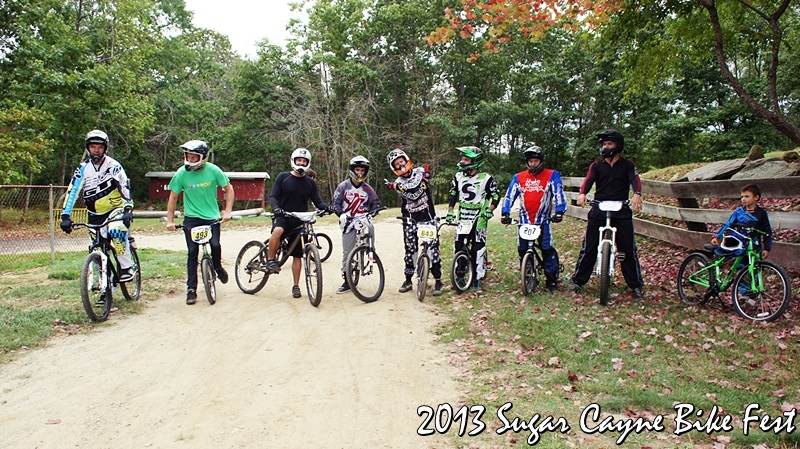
(689, 196)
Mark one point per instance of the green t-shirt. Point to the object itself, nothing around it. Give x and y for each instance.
(199, 190)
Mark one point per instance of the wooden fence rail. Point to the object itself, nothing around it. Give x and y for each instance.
(692, 194)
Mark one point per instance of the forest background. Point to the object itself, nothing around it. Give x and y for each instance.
(684, 80)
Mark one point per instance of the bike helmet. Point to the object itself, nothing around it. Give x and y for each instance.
(305, 154)
(358, 161)
(195, 147)
(732, 244)
(394, 155)
(475, 155)
(534, 151)
(96, 136)
(614, 136)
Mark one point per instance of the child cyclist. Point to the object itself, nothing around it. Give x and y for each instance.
(417, 204)
(477, 196)
(353, 198)
(749, 215)
(538, 187)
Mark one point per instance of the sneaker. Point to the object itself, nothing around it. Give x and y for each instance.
(552, 287)
(191, 296)
(344, 288)
(476, 285)
(406, 287)
(222, 275)
(437, 289)
(636, 293)
(273, 267)
(575, 288)
(296, 292)
(126, 274)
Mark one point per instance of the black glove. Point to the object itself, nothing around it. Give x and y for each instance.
(505, 219)
(127, 217)
(557, 218)
(66, 224)
(278, 211)
(330, 209)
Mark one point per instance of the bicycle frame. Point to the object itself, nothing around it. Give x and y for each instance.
(718, 283)
(608, 234)
(102, 245)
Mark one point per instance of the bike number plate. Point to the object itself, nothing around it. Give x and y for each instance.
(426, 233)
(529, 232)
(201, 234)
(610, 206)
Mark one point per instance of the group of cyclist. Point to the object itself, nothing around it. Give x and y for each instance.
(105, 189)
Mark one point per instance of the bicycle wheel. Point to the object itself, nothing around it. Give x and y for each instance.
(132, 289)
(605, 266)
(461, 272)
(692, 279)
(313, 266)
(763, 295)
(423, 268)
(528, 271)
(207, 268)
(324, 245)
(365, 276)
(251, 267)
(96, 299)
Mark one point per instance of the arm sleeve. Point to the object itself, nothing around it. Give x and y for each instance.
(727, 225)
(75, 188)
(124, 187)
(276, 193)
(511, 195)
(372, 198)
(765, 226)
(633, 177)
(493, 192)
(452, 199)
(589, 180)
(338, 199)
(558, 192)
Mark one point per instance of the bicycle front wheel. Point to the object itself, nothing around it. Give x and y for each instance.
(95, 296)
(461, 272)
(251, 267)
(207, 268)
(605, 277)
(693, 279)
(528, 271)
(763, 295)
(324, 245)
(132, 289)
(313, 266)
(423, 268)
(365, 273)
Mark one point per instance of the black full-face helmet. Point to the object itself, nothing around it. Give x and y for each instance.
(614, 136)
(531, 152)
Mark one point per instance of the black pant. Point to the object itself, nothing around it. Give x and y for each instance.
(194, 248)
(626, 243)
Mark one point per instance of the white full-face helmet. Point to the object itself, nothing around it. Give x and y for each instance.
(303, 153)
(96, 136)
(358, 161)
(198, 147)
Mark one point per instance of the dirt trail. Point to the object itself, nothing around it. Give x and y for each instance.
(260, 371)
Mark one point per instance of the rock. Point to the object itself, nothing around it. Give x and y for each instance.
(772, 167)
(678, 177)
(756, 152)
(716, 170)
(790, 156)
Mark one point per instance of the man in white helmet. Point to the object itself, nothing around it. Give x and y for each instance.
(199, 179)
(106, 192)
(291, 192)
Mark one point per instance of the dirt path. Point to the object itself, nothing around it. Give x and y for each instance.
(261, 371)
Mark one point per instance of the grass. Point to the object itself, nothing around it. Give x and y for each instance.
(40, 300)
(556, 354)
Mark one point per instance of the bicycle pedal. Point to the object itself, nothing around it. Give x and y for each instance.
(620, 256)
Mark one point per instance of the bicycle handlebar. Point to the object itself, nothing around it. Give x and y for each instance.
(180, 226)
(93, 226)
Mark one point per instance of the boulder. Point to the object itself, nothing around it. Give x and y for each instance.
(772, 167)
(716, 170)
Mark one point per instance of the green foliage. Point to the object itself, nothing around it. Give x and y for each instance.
(22, 145)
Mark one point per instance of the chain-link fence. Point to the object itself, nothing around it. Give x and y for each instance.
(29, 222)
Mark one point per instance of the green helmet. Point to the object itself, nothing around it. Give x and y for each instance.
(474, 154)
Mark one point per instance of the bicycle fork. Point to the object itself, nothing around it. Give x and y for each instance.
(103, 272)
(612, 243)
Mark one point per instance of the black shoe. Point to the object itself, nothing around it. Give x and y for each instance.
(406, 287)
(222, 275)
(636, 293)
(296, 292)
(273, 267)
(575, 288)
(437, 289)
(552, 287)
(126, 274)
(344, 288)
(191, 296)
